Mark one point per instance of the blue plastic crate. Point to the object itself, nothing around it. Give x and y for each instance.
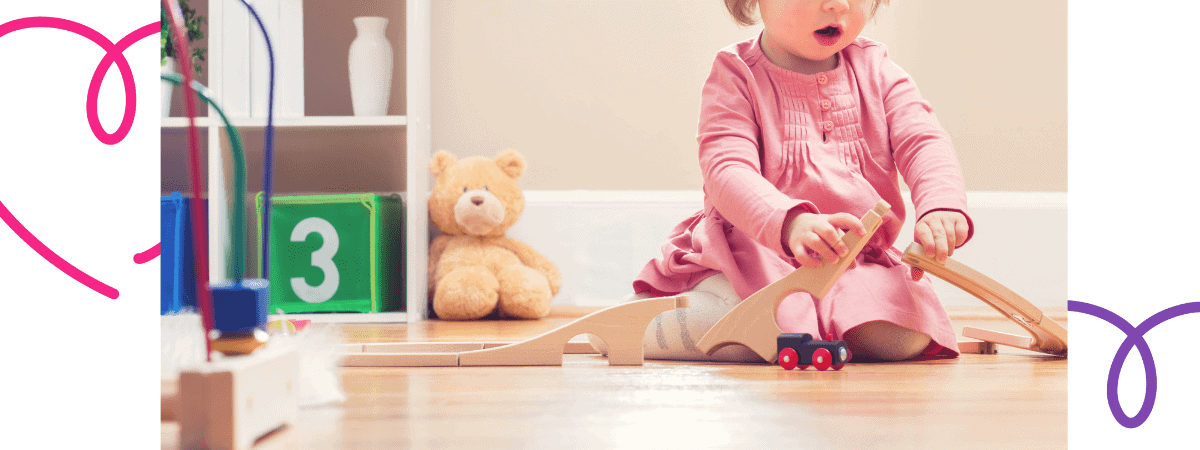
(178, 261)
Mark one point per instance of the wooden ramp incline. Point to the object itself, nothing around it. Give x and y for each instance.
(752, 322)
(1047, 335)
(621, 327)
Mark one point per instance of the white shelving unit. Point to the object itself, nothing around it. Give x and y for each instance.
(416, 122)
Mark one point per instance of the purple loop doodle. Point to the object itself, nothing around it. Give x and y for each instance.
(114, 53)
(1134, 337)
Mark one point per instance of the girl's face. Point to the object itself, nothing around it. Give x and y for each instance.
(804, 35)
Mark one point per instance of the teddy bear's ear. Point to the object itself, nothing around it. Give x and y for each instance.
(441, 160)
(511, 163)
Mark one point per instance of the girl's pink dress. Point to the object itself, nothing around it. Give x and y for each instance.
(772, 140)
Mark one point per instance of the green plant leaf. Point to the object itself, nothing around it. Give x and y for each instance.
(193, 23)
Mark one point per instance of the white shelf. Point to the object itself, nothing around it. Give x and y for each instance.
(293, 122)
(417, 143)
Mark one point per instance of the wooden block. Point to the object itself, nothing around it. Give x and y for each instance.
(375, 359)
(1048, 336)
(621, 327)
(228, 404)
(192, 411)
(977, 347)
(169, 398)
(351, 348)
(752, 322)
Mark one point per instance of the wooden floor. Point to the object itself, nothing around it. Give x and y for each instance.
(1013, 400)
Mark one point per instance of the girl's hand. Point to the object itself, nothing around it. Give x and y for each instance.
(940, 232)
(817, 238)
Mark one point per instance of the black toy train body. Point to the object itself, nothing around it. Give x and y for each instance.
(800, 350)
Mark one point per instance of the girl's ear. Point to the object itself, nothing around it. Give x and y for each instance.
(441, 160)
(511, 163)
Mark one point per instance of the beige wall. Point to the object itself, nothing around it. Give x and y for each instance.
(604, 94)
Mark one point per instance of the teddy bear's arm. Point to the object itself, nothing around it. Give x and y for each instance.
(435, 254)
(532, 258)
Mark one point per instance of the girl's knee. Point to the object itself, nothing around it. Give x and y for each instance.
(885, 341)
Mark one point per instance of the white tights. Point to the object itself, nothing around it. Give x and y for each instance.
(672, 335)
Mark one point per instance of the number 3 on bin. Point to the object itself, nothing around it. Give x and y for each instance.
(322, 259)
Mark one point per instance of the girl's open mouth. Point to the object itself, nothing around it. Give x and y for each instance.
(828, 35)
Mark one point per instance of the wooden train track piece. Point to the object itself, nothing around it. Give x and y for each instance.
(400, 359)
(621, 327)
(1047, 335)
(752, 322)
(573, 347)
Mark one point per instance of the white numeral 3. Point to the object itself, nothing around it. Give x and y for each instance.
(322, 258)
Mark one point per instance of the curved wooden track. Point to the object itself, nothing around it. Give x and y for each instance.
(1047, 335)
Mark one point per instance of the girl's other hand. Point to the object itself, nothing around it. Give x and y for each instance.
(940, 232)
(817, 238)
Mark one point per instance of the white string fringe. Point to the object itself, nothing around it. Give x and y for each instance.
(182, 343)
(320, 358)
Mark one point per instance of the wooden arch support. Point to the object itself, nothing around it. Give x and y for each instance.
(1047, 335)
(752, 322)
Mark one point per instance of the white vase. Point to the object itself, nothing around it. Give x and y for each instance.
(370, 67)
(167, 87)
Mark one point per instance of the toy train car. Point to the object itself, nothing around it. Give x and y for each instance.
(801, 350)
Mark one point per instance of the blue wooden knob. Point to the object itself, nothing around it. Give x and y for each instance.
(240, 307)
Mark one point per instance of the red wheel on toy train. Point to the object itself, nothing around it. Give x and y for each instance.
(840, 366)
(821, 359)
(788, 358)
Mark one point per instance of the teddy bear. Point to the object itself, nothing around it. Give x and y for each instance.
(474, 269)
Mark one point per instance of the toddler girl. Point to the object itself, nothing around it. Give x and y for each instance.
(802, 130)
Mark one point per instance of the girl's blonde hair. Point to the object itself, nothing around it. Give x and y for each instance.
(743, 10)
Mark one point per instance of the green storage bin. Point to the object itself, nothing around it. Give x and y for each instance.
(335, 253)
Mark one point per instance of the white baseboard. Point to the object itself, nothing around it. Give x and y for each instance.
(601, 239)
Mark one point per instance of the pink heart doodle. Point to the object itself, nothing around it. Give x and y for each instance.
(113, 54)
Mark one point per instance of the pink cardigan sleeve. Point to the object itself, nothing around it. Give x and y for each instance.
(729, 156)
(922, 150)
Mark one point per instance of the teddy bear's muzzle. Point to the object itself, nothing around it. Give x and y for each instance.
(478, 212)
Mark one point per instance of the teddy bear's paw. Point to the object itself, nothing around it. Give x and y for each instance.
(466, 293)
(524, 293)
